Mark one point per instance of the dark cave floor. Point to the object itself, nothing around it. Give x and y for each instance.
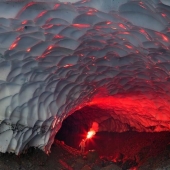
(127, 149)
(108, 151)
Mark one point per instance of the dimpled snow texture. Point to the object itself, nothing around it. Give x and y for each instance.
(55, 56)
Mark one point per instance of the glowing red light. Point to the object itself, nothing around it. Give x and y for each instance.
(128, 46)
(56, 6)
(164, 15)
(25, 7)
(90, 134)
(83, 1)
(143, 6)
(40, 15)
(28, 50)
(125, 33)
(144, 33)
(24, 22)
(47, 26)
(109, 22)
(89, 13)
(68, 65)
(13, 46)
(58, 36)
(50, 47)
(164, 38)
(122, 26)
(81, 25)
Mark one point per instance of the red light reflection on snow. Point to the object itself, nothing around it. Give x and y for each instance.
(25, 7)
(125, 33)
(20, 29)
(24, 22)
(122, 26)
(89, 13)
(67, 65)
(14, 44)
(47, 26)
(164, 37)
(50, 47)
(56, 6)
(137, 105)
(109, 22)
(144, 33)
(58, 36)
(28, 50)
(164, 15)
(40, 15)
(81, 25)
(128, 46)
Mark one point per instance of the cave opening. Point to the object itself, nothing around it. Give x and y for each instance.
(118, 145)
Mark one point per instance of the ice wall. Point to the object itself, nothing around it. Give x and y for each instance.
(57, 56)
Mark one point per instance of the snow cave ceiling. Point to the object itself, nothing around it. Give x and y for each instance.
(58, 57)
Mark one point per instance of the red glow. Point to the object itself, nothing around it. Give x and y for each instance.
(28, 50)
(128, 46)
(90, 134)
(164, 15)
(68, 65)
(50, 47)
(47, 26)
(40, 15)
(109, 22)
(142, 6)
(137, 106)
(81, 25)
(56, 6)
(144, 33)
(94, 10)
(164, 38)
(58, 36)
(13, 46)
(20, 29)
(25, 7)
(122, 26)
(84, 1)
(89, 13)
(125, 33)
(24, 22)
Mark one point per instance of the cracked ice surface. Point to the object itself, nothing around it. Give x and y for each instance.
(57, 56)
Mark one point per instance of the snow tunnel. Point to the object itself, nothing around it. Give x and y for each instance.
(114, 138)
(57, 57)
